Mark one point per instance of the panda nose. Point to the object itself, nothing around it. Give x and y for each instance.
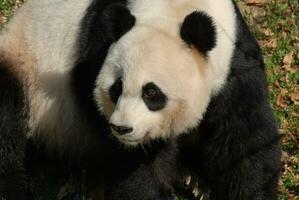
(122, 130)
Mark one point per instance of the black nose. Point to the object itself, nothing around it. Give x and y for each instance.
(122, 130)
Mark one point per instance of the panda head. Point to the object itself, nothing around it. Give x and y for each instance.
(154, 85)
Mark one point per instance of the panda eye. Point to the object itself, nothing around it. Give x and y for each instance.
(150, 93)
(153, 97)
(116, 90)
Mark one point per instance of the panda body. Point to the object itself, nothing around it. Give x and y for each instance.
(42, 50)
(42, 59)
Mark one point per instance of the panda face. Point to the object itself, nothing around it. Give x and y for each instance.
(152, 85)
(155, 84)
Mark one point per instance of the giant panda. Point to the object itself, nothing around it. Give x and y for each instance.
(187, 85)
(165, 74)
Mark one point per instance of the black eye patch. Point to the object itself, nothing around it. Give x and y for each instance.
(153, 97)
(116, 90)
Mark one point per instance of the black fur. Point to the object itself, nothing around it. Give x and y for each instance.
(116, 90)
(198, 29)
(105, 22)
(142, 173)
(13, 129)
(153, 97)
(236, 149)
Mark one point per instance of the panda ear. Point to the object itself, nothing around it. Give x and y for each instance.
(116, 21)
(198, 29)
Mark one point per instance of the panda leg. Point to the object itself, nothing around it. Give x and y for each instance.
(142, 184)
(13, 180)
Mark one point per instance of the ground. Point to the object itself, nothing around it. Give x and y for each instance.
(275, 23)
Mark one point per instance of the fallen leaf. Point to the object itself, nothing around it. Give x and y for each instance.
(280, 183)
(288, 58)
(257, 15)
(267, 32)
(284, 156)
(292, 197)
(295, 96)
(280, 99)
(285, 124)
(271, 44)
(286, 78)
(243, 8)
(290, 68)
(255, 2)
(288, 63)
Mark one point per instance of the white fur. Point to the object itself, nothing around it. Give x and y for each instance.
(166, 15)
(45, 33)
(154, 52)
(156, 60)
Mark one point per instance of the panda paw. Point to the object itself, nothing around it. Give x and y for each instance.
(192, 188)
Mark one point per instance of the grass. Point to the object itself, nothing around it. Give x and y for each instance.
(7, 8)
(275, 23)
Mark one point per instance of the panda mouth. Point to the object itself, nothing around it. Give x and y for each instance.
(131, 141)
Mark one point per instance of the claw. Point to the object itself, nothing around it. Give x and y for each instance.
(195, 192)
(188, 180)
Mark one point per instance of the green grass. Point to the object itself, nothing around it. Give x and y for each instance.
(7, 7)
(282, 19)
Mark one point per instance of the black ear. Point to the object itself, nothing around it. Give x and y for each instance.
(198, 29)
(117, 20)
